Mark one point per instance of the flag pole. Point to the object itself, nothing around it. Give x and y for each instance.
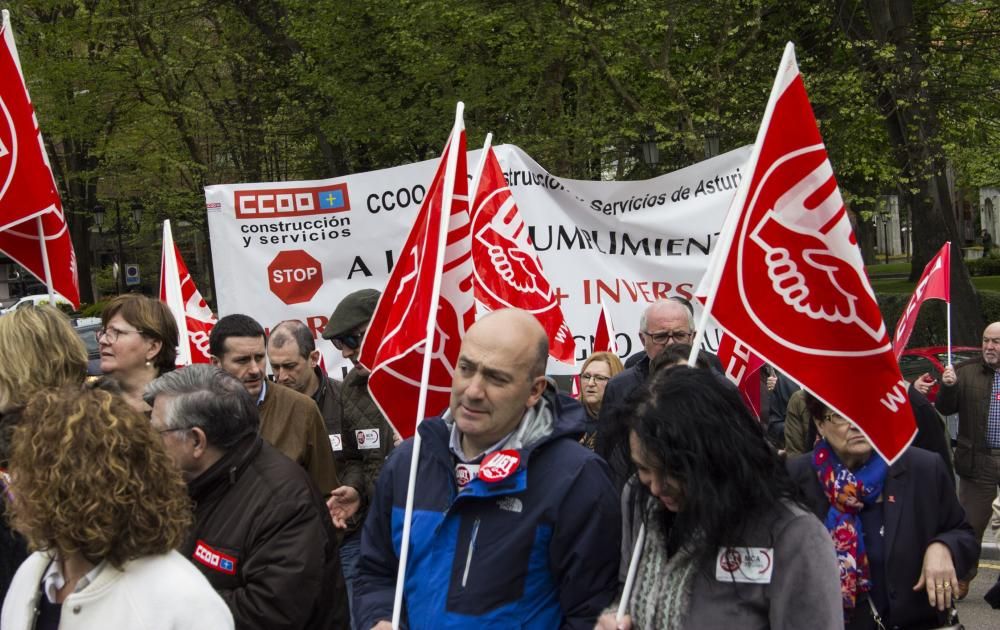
(45, 257)
(478, 173)
(948, 310)
(633, 568)
(446, 201)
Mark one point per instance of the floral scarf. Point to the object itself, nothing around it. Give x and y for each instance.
(848, 492)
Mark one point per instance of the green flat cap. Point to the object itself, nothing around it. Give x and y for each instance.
(353, 311)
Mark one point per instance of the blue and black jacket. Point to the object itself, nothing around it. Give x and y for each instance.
(538, 549)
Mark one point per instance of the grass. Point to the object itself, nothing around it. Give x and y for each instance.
(892, 268)
(901, 285)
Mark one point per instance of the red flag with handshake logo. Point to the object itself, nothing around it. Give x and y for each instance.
(178, 291)
(33, 230)
(427, 304)
(790, 283)
(935, 284)
(508, 272)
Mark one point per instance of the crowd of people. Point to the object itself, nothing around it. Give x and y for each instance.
(216, 496)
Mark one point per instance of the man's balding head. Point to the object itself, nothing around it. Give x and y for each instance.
(991, 345)
(665, 322)
(500, 375)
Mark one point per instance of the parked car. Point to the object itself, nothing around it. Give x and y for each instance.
(88, 333)
(33, 300)
(916, 361)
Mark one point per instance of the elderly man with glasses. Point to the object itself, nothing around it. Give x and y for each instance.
(663, 323)
(366, 436)
(261, 533)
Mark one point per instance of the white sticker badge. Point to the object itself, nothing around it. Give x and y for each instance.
(748, 565)
(368, 438)
(336, 443)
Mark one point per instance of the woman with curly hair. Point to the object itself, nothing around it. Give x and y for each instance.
(39, 351)
(138, 342)
(725, 540)
(96, 495)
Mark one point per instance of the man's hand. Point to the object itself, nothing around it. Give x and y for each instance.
(343, 504)
(938, 576)
(772, 381)
(607, 621)
(924, 383)
(948, 377)
(383, 625)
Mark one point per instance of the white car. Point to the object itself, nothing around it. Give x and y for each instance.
(34, 300)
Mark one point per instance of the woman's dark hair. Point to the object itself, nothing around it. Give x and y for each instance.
(695, 429)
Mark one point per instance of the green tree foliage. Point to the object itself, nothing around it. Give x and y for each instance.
(152, 100)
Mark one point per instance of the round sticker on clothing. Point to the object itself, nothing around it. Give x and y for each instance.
(498, 466)
(464, 473)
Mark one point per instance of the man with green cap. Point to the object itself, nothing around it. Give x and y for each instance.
(366, 436)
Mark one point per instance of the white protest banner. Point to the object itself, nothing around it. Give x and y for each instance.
(293, 250)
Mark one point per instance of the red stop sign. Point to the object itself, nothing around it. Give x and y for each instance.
(294, 276)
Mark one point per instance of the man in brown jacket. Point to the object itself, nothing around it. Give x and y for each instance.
(289, 421)
(972, 389)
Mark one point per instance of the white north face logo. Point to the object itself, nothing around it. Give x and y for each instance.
(510, 504)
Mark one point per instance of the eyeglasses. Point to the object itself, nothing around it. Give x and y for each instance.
(597, 378)
(835, 419)
(661, 338)
(110, 334)
(351, 342)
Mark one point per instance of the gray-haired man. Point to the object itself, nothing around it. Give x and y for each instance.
(262, 535)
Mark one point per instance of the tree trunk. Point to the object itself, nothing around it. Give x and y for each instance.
(911, 116)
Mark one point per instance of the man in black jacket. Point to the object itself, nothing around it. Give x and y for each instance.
(262, 535)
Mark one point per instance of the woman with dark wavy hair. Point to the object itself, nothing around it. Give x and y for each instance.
(96, 495)
(725, 540)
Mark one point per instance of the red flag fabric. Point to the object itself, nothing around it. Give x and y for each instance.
(178, 291)
(935, 284)
(395, 341)
(742, 368)
(27, 188)
(575, 390)
(791, 284)
(604, 336)
(508, 272)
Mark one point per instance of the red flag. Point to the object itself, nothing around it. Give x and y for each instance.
(27, 188)
(935, 284)
(575, 390)
(508, 272)
(791, 284)
(178, 291)
(742, 367)
(604, 336)
(397, 335)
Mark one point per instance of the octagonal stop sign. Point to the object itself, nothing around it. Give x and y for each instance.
(294, 276)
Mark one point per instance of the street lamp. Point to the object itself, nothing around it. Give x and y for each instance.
(99, 214)
(711, 143)
(650, 152)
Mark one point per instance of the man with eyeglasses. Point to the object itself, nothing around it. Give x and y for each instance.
(663, 323)
(366, 436)
(972, 389)
(261, 534)
(289, 421)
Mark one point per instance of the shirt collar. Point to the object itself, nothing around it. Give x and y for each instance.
(263, 392)
(53, 580)
(514, 439)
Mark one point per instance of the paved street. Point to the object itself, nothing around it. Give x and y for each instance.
(974, 612)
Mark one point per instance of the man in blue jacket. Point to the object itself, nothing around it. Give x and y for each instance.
(514, 522)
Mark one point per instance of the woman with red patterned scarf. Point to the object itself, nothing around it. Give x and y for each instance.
(900, 534)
